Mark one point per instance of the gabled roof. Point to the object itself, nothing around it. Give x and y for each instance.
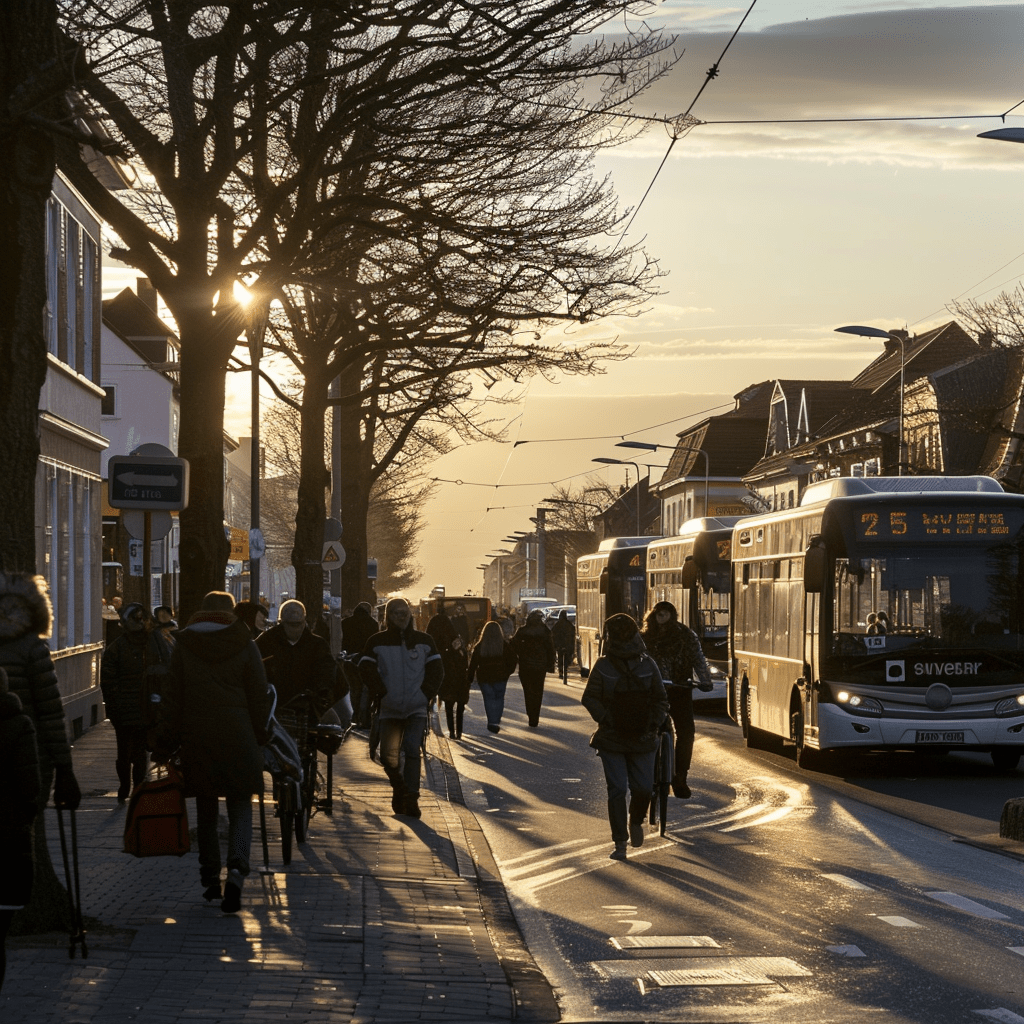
(923, 354)
(138, 324)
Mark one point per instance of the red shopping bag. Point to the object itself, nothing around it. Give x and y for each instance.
(157, 821)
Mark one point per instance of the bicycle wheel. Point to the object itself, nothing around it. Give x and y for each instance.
(664, 781)
(302, 814)
(286, 815)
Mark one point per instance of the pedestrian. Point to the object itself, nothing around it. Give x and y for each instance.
(214, 716)
(297, 660)
(508, 624)
(461, 623)
(677, 650)
(126, 670)
(563, 635)
(492, 662)
(356, 629)
(25, 619)
(19, 804)
(536, 653)
(626, 697)
(254, 615)
(454, 692)
(402, 667)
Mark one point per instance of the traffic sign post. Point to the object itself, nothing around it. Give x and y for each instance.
(333, 556)
(148, 483)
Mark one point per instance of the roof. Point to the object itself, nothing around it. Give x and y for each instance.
(923, 354)
(138, 324)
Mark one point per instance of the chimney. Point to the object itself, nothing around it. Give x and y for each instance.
(892, 345)
(145, 291)
(987, 338)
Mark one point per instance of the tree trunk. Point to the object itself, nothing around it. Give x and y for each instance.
(312, 507)
(203, 547)
(355, 491)
(27, 165)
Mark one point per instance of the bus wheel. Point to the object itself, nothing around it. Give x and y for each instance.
(1006, 759)
(754, 737)
(806, 757)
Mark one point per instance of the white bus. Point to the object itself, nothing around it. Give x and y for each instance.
(942, 559)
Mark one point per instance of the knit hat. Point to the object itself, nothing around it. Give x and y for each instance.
(620, 628)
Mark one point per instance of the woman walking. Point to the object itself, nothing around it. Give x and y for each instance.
(536, 653)
(626, 697)
(493, 661)
(676, 649)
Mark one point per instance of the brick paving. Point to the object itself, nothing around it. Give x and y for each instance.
(377, 918)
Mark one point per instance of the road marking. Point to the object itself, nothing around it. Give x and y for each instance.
(900, 922)
(664, 942)
(952, 899)
(849, 883)
(1019, 950)
(703, 971)
(846, 950)
(1001, 1014)
(543, 851)
(530, 870)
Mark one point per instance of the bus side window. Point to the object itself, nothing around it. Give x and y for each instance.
(815, 565)
(689, 573)
(603, 584)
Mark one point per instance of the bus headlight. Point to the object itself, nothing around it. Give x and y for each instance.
(857, 703)
(1011, 705)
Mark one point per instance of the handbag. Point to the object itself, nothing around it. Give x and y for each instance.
(156, 824)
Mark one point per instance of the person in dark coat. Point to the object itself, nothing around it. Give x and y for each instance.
(254, 615)
(356, 629)
(19, 804)
(215, 714)
(25, 618)
(127, 662)
(563, 635)
(403, 670)
(297, 660)
(454, 692)
(460, 623)
(676, 649)
(626, 697)
(536, 653)
(493, 661)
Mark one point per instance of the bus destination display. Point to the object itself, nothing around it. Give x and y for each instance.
(918, 525)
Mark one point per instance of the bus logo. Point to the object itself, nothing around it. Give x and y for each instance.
(895, 671)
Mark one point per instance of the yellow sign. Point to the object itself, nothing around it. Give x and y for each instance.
(239, 540)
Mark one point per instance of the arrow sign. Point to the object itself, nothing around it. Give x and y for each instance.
(147, 482)
(333, 556)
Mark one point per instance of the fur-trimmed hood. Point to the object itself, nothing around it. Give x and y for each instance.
(24, 607)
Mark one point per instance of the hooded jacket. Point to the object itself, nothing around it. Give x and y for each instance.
(126, 661)
(19, 800)
(404, 669)
(563, 633)
(624, 666)
(216, 706)
(25, 618)
(356, 629)
(533, 645)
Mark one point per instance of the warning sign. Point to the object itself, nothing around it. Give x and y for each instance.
(333, 556)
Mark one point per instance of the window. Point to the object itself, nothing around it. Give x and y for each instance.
(108, 404)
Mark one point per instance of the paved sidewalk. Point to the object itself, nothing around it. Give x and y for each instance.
(377, 918)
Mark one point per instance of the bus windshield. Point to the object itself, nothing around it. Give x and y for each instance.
(966, 596)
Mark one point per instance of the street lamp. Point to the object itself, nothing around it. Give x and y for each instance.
(628, 462)
(1004, 135)
(875, 332)
(654, 447)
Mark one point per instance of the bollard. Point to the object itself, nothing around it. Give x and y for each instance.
(1011, 823)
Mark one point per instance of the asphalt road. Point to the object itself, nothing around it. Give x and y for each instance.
(776, 894)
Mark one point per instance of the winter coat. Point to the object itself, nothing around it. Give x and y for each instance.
(563, 634)
(216, 707)
(676, 649)
(25, 618)
(356, 629)
(452, 648)
(19, 800)
(404, 669)
(624, 668)
(305, 666)
(127, 664)
(534, 648)
(492, 670)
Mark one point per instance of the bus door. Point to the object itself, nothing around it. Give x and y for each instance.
(816, 583)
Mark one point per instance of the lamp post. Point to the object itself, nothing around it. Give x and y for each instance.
(875, 332)
(256, 329)
(627, 462)
(686, 448)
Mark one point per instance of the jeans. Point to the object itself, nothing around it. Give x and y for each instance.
(239, 836)
(622, 772)
(400, 742)
(454, 712)
(494, 700)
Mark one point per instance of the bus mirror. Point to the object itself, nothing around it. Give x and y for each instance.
(815, 560)
(689, 574)
(602, 585)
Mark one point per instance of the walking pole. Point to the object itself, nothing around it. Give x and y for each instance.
(77, 933)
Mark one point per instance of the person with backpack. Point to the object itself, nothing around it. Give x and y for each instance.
(492, 662)
(625, 695)
(676, 649)
(536, 653)
(563, 635)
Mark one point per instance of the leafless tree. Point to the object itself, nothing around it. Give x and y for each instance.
(999, 322)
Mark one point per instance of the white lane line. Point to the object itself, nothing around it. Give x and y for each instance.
(899, 922)
(846, 950)
(1019, 950)
(952, 899)
(665, 942)
(537, 867)
(849, 883)
(544, 851)
(1001, 1014)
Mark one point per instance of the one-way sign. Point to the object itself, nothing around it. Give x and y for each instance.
(147, 482)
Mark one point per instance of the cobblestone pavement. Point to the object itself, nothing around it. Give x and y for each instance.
(377, 918)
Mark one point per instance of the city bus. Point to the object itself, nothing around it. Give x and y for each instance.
(813, 659)
(700, 591)
(609, 581)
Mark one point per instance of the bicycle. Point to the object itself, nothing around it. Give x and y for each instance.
(664, 760)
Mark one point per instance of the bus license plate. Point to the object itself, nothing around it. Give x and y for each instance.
(940, 737)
